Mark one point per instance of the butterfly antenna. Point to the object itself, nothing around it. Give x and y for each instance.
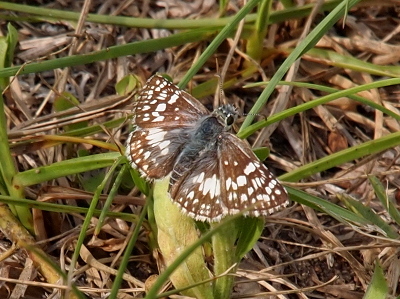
(219, 96)
(256, 114)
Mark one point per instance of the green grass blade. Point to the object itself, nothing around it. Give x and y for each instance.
(61, 208)
(337, 212)
(302, 48)
(378, 288)
(384, 199)
(323, 100)
(350, 154)
(147, 46)
(64, 168)
(43, 13)
(87, 221)
(225, 32)
(368, 214)
(348, 62)
(127, 254)
(113, 192)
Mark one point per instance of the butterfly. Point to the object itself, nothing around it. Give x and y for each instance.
(212, 172)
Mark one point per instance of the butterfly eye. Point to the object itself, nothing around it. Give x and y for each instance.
(230, 119)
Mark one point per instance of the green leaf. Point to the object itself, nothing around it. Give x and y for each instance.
(382, 196)
(337, 212)
(140, 183)
(65, 101)
(3, 53)
(12, 41)
(59, 169)
(262, 152)
(250, 230)
(368, 214)
(90, 180)
(378, 288)
(126, 85)
(176, 232)
(223, 246)
(7, 48)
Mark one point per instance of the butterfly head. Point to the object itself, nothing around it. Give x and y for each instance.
(228, 115)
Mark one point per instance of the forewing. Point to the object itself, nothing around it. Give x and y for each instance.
(248, 184)
(163, 117)
(162, 104)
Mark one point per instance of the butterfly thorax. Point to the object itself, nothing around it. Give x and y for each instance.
(202, 140)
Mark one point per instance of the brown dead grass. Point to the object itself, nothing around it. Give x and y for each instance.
(308, 253)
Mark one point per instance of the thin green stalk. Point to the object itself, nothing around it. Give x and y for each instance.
(338, 158)
(88, 219)
(254, 44)
(128, 251)
(225, 32)
(62, 208)
(113, 192)
(111, 52)
(54, 14)
(349, 93)
(323, 100)
(7, 166)
(8, 173)
(302, 48)
(60, 169)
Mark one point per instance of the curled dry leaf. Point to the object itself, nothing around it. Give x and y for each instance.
(337, 142)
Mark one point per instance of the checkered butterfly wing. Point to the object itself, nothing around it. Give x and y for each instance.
(226, 179)
(163, 118)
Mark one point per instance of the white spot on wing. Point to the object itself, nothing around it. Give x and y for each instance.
(146, 155)
(164, 144)
(228, 183)
(155, 135)
(199, 178)
(212, 186)
(249, 168)
(161, 107)
(173, 99)
(241, 181)
(250, 190)
(165, 151)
